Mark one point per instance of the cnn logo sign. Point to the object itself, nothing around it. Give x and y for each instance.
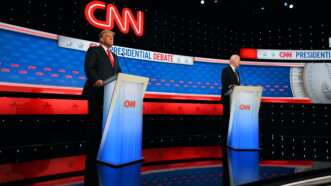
(123, 21)
(129, 103)
(285, 54)
(245, 107)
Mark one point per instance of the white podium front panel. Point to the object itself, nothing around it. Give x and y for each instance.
(108, 94)
(244, 120)
(122, 135)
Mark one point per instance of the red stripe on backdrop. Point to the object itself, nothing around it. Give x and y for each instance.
(287, 163)
(12, 87)
(286, 100)
(28, 31)
(151, 95)
(37, 106)
(248, 53)
(182, 108)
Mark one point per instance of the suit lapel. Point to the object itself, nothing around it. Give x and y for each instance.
(103, 52)
(234, 74)
(106, 56)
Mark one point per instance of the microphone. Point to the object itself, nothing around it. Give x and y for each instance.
(125, 62)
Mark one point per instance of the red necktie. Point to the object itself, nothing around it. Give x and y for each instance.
(111, 58)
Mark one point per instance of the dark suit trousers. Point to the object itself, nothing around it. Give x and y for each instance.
(226, 119)
(94, 134)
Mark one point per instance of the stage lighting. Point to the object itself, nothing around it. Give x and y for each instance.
(202, 2)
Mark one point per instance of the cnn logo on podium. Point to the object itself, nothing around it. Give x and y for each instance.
(245, 107)
(130, 103)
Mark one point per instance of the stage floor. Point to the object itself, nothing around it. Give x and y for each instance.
(191, 166)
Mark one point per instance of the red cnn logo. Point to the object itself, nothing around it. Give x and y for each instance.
(285, 54)
(123, 21)
(129, 104)
(245, 107)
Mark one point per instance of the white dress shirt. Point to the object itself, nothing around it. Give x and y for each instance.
(105, 48)
(234, 70)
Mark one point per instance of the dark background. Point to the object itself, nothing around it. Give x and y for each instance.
(214, 30)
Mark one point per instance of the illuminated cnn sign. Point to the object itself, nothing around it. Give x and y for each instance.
(309, 55)
(123, 21)
(285, 54)
(129, 103)
(293, 54)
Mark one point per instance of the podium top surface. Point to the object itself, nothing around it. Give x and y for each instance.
(127, 77)
(130, 77)
(248, 88)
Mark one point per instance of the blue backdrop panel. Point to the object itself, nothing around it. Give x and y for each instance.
(35, 60)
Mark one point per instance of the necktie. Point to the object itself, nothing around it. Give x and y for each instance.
(111, 58)
(236, 72)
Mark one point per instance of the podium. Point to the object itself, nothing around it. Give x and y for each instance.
(243, 166)
(243, 133)
(121, 141)
(120, 176)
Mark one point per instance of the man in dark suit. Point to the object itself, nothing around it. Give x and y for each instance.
(230, 79)
(100, 64)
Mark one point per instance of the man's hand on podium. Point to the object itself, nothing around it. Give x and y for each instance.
(231, 87)
(98, 83)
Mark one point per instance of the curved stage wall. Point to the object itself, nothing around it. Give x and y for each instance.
(38, 62)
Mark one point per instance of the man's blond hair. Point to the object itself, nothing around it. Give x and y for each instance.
(106, 31)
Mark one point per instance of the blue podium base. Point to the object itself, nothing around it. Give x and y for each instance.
(237, 149)
(120, 165)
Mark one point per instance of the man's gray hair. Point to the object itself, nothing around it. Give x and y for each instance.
(234, 56)
(106, 31)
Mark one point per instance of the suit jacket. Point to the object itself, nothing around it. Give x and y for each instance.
(228, 78)
(98, 67)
